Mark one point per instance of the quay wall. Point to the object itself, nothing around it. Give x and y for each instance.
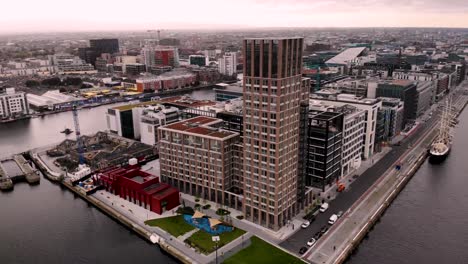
(151, 237)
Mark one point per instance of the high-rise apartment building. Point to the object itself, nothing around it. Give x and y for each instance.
(98, 47)
(160, 56)
(273, 93)
(228, 64)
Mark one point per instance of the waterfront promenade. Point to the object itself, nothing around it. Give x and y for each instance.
(345, 235)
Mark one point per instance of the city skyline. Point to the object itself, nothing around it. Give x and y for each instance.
(51, 16)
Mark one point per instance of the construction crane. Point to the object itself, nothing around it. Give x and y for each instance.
(158, 31)
(79, 143)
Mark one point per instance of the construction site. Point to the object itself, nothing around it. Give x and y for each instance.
(99, 151)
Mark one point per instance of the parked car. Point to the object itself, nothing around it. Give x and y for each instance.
(323, 207)
(341, 188)
(302, 250)
(306, 224)
(317, 235)
(311, 242)
(339, 214)
(332, 219)
(324, 230)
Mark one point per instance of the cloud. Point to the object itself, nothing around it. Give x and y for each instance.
(46, 15)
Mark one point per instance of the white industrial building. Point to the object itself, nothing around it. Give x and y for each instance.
(51, 99)
(12, 104)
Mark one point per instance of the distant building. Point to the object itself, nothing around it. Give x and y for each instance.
(228, 64)
(369, 105)
(125, 120)
(426, 96)
(403, 90)
(135, 68)
(160, 56)
(98, 47)
(392, 112)
(13, 104)
(166, 81)
(199, 60)
(70, 64)
(153, 117)
(224, 92)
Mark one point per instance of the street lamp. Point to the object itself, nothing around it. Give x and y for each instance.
(216, 240)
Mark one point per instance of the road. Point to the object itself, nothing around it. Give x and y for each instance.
(346, 199)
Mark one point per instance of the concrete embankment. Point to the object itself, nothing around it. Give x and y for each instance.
(347, 233)
(129, 223)
(51, 175)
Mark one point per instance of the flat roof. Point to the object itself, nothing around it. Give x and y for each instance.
(273, 38)
(131, 106)
(187, 102)
(200, 125)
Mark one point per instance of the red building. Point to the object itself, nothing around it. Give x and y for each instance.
(140, 188)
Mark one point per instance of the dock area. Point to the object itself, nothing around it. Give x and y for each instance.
(347, 233)
(16, 169)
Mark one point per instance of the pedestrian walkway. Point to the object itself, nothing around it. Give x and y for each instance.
(347, 231)
(187, 235)
(331, 193)
(272, 236)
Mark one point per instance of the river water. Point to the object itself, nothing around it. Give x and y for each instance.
(48, 224)
(427, 223)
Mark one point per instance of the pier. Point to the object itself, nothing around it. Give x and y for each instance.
(16, 169)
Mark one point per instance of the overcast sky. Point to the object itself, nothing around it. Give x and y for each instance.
(91, 15)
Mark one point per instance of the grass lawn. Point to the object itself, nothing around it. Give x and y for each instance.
(175, 225)
(202, 240)
(260, 252)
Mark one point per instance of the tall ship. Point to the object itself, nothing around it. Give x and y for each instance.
(441, 146)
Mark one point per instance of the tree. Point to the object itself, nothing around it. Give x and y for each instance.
(31, 83)
(55, 81)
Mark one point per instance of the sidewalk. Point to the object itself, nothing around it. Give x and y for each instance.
(355, 220)
(274, 237)
(333, 247)
(348, 179)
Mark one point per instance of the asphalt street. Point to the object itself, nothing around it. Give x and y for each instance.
(346, 199)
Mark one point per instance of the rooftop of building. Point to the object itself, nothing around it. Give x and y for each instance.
(403, 83)
(201, 125)
(346, 56)
(228, 87)
(186, 101)
(273, 38)
(336, 95)
(131, 106)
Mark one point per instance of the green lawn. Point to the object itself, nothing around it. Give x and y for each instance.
(260, 252)
(202, 240)
(175, 225)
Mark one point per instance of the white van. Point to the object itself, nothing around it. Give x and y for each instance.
(324, 207)
(333, 219)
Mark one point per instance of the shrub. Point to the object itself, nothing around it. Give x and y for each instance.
(197, 200)
(197, 206)
(207, 206)
(221, 211)
(185, 210)
(240, 217)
